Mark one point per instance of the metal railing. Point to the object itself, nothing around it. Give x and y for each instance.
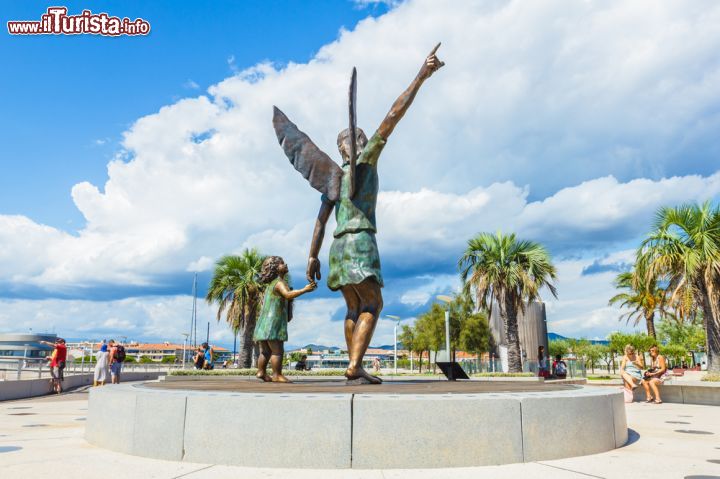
(34, 368)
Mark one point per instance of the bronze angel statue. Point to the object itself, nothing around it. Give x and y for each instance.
(352, 192)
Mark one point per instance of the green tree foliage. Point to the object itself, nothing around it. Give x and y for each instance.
(168, 359)
(593, 353)
(235, 290)
(690, 333)
(500, 268)
(558, 346)
(469, 330)
(606, 355)
(684, 250)
(676, 352)
(642, 296)
(295, 356)
(431, 329)
(408, 340)
(145, 360)
(475, 334)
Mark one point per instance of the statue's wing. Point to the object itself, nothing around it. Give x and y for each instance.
(318, 168)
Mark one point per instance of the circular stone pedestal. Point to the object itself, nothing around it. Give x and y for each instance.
(325, 424)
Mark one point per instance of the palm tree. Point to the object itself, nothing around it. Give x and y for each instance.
(235, 289)
(684, 250)
(643, 296)
(510, 271)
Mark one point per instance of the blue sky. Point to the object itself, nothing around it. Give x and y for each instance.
(80, 93)
(129, 164)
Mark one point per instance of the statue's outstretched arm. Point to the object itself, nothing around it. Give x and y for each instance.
(430, 66)
(313, 266)
(282, 289)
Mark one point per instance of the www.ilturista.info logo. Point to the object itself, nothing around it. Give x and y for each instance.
(57, 22)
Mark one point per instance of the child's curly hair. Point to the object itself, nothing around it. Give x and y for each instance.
(269, 269)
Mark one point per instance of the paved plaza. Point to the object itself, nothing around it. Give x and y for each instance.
(43, 437)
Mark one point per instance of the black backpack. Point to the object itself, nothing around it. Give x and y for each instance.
(120, 353)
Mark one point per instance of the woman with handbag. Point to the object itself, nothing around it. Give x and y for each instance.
(654, 377)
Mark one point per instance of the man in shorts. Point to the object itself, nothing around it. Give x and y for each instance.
(115, 363)
(57, 363)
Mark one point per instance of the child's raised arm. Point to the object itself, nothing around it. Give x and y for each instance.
(282, 289)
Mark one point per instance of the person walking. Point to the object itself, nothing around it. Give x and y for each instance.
(101, 366)
(116, 356)
(57, 363)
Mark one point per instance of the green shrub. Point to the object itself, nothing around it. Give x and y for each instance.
(503, 375)
(712, 377)
(598, 378)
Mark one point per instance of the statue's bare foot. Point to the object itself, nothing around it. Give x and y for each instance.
(263, 377)
(357, 373)
(279, 378)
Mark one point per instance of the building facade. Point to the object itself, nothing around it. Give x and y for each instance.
(532, 330)
(18, 345)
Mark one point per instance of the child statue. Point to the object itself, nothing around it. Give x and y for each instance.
(275, 312)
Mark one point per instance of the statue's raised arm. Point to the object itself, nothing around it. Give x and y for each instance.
(430, 66)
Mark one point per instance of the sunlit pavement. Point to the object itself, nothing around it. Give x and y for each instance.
(43, 437)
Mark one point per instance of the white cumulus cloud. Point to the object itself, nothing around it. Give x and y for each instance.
(566, 122)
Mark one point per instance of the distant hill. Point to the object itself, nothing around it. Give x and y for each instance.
(314, 347)
(387, 347)
(555, 336)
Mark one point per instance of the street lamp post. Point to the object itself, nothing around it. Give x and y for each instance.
(397, 322)
(82, 361)
(446, 299)
(185, 338)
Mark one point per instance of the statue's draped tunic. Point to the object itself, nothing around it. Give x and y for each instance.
(272, 322)
(354, 254)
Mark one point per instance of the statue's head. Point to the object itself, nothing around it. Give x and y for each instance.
(272, 267)
(343, 142)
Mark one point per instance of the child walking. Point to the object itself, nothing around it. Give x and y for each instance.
(271, 326)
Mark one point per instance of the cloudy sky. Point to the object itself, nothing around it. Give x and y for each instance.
(129, 164)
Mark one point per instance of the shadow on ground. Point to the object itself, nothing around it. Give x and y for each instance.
(633, 437)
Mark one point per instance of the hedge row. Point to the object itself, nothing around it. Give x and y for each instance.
(316, 372)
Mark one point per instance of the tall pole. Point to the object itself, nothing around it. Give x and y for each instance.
(447, 333)
(397, 322)
(193, 324)
(448, 300)
(185, 338)
(396, 325)
(207, 338)
(234, 359)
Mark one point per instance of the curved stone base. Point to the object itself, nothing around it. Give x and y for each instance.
(363, 430)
